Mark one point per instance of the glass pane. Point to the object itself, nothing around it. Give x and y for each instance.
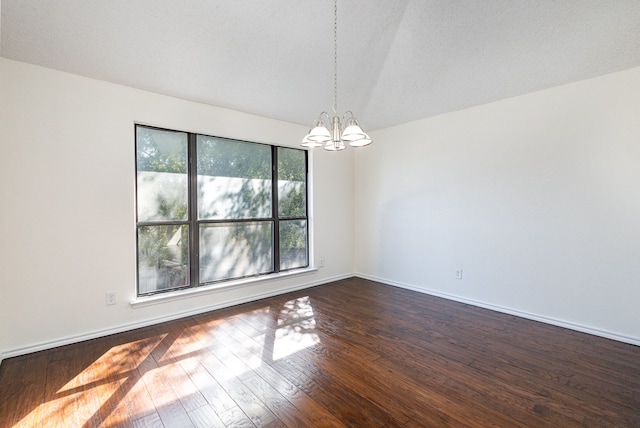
(234, 250)
(163, 260)
(161, 158)
(293, 244)
(292, 194)
(234, 179)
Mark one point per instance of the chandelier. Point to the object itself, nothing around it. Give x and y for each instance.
(336, 138)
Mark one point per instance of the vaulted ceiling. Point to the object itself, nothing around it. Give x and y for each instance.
(398, 60)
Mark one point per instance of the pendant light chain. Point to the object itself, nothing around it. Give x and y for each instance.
(335, 56)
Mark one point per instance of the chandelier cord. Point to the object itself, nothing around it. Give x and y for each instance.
(335, 57)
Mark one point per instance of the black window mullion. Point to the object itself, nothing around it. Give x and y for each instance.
(194, 228)
(306, 201)
(236, 220)
(162, 223)
(274, 205)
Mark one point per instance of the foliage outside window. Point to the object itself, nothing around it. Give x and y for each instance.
(211, 209)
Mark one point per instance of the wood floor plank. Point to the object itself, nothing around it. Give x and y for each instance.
(11, 393)
(108, 383)
(319, 415)
(28, 406)
(150, 420)
(286, 412)
(131, 393)
(349, 353)
(80, 387)
(205, 417)
(157, 380)
(250, 404)
(236, 418)
(344, 403)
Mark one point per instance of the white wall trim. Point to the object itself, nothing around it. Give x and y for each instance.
(132, 326)
(502, 309)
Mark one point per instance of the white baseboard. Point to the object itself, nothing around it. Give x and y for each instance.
(521, 314)
(132, 326)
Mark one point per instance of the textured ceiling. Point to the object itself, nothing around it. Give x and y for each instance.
(398, 60)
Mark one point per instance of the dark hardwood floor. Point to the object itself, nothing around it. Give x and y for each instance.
(349, 353)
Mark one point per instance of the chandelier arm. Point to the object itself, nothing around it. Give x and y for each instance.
(348, 115)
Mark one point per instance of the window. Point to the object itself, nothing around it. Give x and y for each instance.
(211, 209)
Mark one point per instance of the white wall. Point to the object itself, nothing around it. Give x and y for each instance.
(536, 198)
(67, 224)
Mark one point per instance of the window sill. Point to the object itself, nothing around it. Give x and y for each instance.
(214, 288)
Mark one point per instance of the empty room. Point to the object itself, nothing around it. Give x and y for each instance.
(319, 213)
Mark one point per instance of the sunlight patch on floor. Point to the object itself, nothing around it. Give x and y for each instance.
(296, 328)
(134, 379)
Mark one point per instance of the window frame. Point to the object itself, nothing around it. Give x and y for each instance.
(194, 223)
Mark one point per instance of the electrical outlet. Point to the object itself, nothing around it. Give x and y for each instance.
(111, 298)
(321, 261)
(458, 274)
